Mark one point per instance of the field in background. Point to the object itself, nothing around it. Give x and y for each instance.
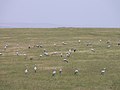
(89, 64)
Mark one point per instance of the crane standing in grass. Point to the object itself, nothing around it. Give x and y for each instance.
(0, 54)
(26, 71)
(60, 71)
(103, 71)
(76, 71)
(65, 60)
(35, 68)
(54, 72)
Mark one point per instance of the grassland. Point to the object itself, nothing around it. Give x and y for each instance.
(12, 76)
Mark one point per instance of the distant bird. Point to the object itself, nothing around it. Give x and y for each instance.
(26, 71)
(108, 42)
(68, 55)
(45, 50)
(70, 51)
(54, 72)
(64, 43)
(29, 46)
(5, 47)
(46, 54)
(41, 46)
(93, 50)
(74, 50)
(108, 46)
(65, 60)
(25, 55)
(103, 71)
(118, 43)
(0, 54)
(17, 53)
(37, 46)
(40, 55)
(54, 44)
(79, 41)
(76, 71)
(61, 55)
(60, 71)
(35, 68)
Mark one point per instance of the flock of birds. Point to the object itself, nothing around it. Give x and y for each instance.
(76, 71)
(60, 71)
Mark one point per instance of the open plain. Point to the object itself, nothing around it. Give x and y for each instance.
(87, 50)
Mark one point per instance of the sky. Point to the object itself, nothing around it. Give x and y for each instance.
(71, 13)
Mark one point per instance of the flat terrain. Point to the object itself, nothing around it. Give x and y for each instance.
(105, 53)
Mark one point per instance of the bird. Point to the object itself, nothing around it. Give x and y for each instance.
(54, 44)
(45, 50)
(93, 50)
(35, 68)
(29, 46)
(76, 71)
(108, 46)
(0, 53)
(60, 71)
(54, 72)
(65, 60)
(46, 54)
(79, 41)
(61, 55)
(26, 71)
(74, 50)
(68, 55)
(17, 53)
(40, 55)
(103, 71)
(64, 43)
(5, 47)
(41, 46)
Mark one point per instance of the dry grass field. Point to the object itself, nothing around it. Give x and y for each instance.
(97, 49)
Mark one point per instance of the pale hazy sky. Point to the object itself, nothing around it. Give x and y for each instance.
(84, 13)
